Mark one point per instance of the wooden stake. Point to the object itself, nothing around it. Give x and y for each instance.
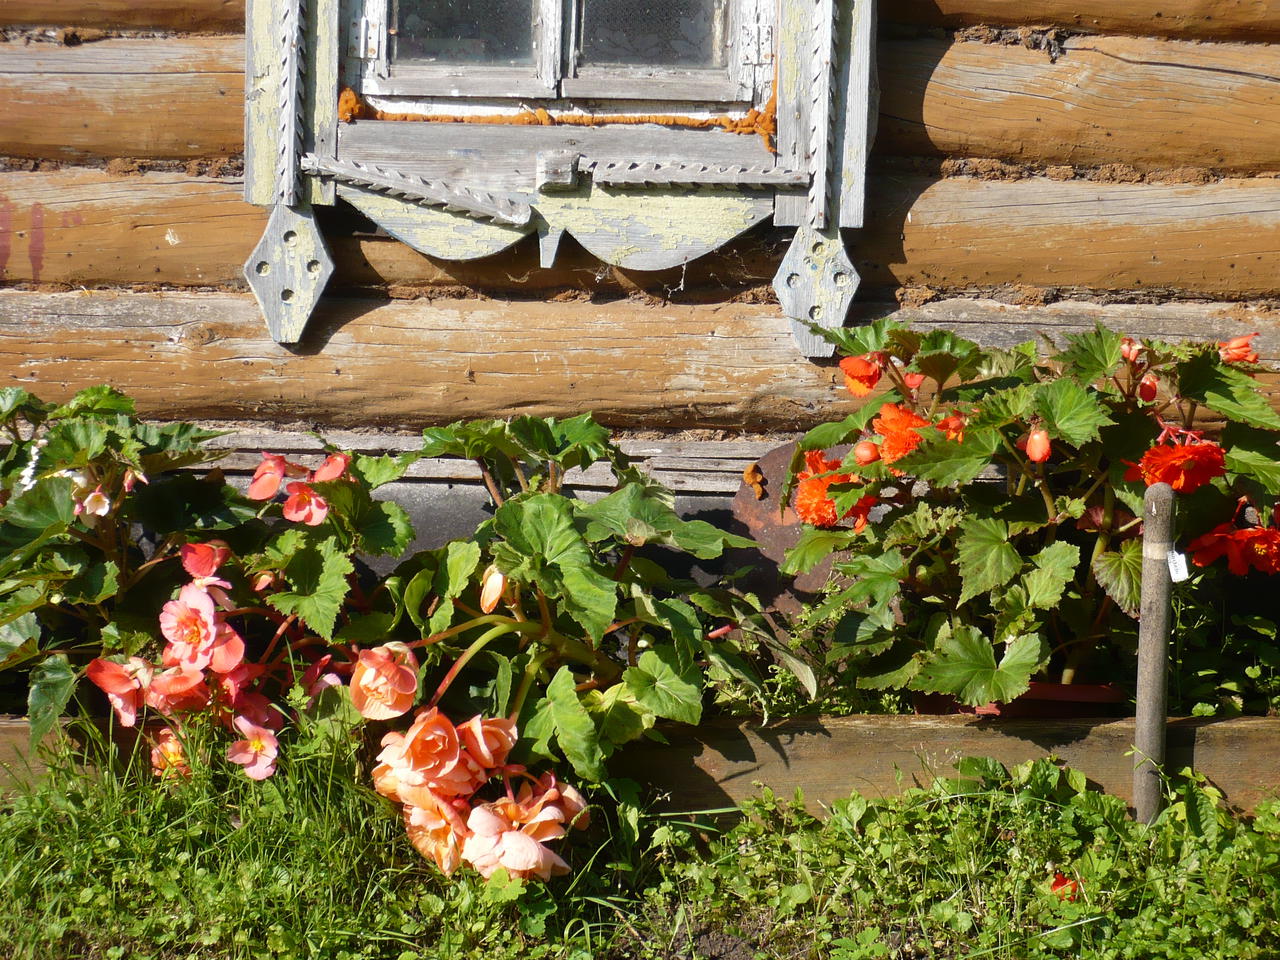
(1153, 651)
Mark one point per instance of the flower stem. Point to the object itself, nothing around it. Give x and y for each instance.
(480, 643)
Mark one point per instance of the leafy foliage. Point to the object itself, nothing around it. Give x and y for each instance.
(1005, 540)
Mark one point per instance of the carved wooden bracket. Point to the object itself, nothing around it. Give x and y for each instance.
(636, 193)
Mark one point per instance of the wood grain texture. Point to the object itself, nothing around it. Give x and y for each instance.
(213, 16)
(83, 228)
(1193, 19)
(173, 98)
(407, 364)
(1198, 19)
(718, 764)
(1149, 103)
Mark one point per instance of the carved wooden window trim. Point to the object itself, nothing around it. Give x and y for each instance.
(484, 171)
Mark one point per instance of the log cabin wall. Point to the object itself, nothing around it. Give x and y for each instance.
(1038, 166)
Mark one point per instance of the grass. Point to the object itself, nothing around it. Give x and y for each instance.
(312, 864)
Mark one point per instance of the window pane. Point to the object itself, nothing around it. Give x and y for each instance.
(495, 32)
(667, 33)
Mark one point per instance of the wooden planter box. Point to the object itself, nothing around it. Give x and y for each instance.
(721, 763)
(718, 764)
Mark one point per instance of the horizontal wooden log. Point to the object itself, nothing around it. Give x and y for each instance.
(1195, 19)
(1155, 105)
(86, 228)
(214, 16)
(408, 364)
(172, 98)
(1192, 19)
(1152, 104)
(719, 764)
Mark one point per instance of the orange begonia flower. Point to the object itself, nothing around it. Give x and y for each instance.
(1185, 467)
(897, 426)
(861, 374)
(384, 682)
(866, 452)
(1038, 446)
(1064, 887)
(813, 504)
(860, 511)
(953, 426)
(1238, 349)
(1254, 547)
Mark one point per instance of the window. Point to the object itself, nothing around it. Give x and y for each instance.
(652, 131)
(671, 50)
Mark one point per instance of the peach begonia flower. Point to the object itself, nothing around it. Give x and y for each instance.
(861, 374)
(125, 685)
(437, 831)
(177, 689)
(1185, 467)
(427, 758)
(334, 466)
(550, 789)
(1238, 349)
(488, 741)
(492, 586)
(270, 474)
(133, 477)
(503, 834)
(384, 683)
(197, 638)
(167, 755)
(304, 505)
(256, 752)
(897, 427)
(201, 560)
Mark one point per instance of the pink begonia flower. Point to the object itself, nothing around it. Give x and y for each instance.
(167, 755)
(549, 790)
(437, 831)
(428, 759)
(488, 741)
(317, 678)
(201, 560)
(264, 581)
(304, 505)
(256, 752)
(384, 683)
(258, 707)
(197, 638)
(504, 835)
(270, 474)
(177, 689)
(125, 685)
(334, 466)
(133, 477)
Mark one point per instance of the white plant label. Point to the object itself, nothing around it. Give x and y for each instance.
(1178, 566)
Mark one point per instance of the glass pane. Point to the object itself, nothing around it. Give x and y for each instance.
(663, 33)
(493, 32)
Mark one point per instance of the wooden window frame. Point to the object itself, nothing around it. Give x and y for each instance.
(555, 75)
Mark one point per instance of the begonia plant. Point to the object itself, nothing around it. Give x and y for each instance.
(490, 666)
(987, 513)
